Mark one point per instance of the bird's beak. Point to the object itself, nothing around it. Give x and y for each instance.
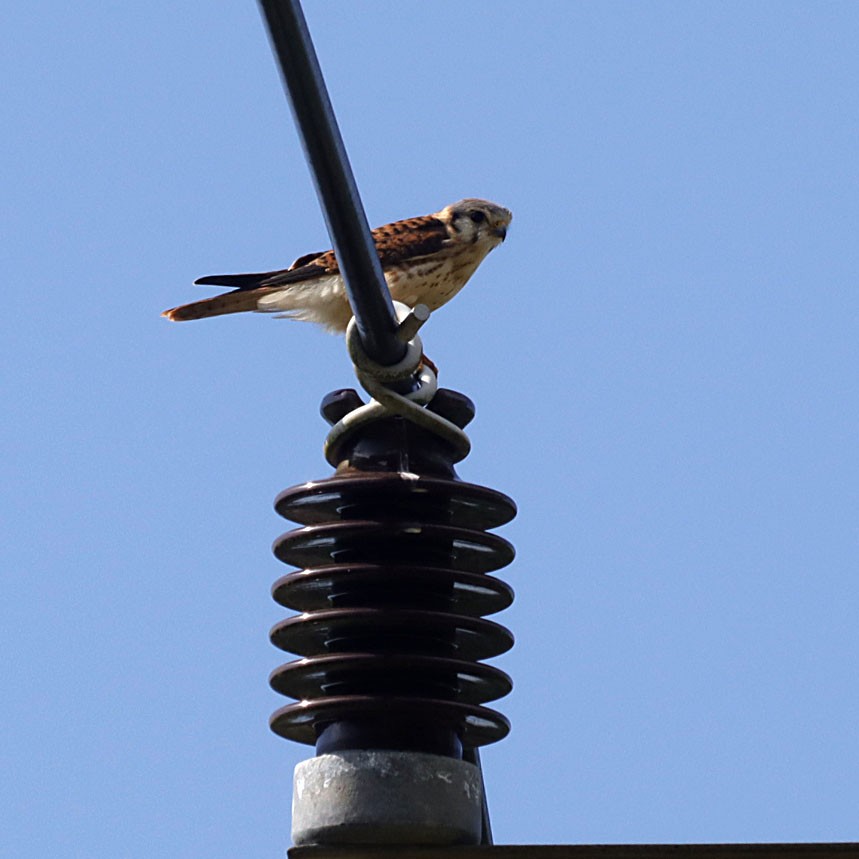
(500, 232)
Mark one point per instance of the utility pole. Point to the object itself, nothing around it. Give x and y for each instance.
(393, 557)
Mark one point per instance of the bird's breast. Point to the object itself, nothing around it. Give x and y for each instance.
(432, 281)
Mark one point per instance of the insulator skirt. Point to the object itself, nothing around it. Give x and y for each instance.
(392, 591)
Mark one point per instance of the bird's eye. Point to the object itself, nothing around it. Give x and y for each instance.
(477, 216)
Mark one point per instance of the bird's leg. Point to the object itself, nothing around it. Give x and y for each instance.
(425, 362)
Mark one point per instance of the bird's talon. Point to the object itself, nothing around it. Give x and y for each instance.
(425, 362)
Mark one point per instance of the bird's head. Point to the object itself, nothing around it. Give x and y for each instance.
(474, 221)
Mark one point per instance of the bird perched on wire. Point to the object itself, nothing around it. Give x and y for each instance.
(426, 260)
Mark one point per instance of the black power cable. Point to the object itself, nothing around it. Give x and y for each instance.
(335, 184)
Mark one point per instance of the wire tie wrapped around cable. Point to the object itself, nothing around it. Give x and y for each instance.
(375, 379)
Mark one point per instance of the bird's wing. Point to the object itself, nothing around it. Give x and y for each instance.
(395, 243)
(410, 239)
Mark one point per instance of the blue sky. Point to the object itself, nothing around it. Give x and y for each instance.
(663, 357)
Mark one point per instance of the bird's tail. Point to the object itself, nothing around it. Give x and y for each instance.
(230, 302)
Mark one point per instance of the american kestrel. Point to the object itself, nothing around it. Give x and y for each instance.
(426, 260)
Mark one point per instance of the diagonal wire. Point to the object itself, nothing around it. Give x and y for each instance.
(335, 184)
